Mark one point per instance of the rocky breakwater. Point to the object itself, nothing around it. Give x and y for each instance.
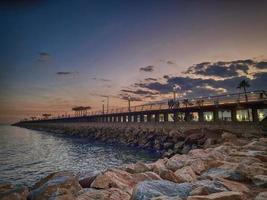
(236, 169)
(165, 140)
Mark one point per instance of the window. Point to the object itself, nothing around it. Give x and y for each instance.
(244, 115)
(161, 117)
(208, 116)
(145, 118)
(224, 115)
(262, 113)
(170, 117)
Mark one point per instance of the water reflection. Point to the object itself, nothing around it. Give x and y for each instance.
(27, 155)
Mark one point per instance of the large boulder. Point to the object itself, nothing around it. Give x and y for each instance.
(218, 196)
(147, 190)
(55, 185)
(121, 179)
(12, 192)
(109, 194)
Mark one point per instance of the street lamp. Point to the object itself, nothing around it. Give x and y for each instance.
(129, 103)
(103, 107)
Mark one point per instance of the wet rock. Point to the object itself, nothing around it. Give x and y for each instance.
(148, 189)
(186, 174)
(219, 196)
(261, 196)
(88, 178)
(56, 184)
(260, 180)
(109, 194)
(12, 192)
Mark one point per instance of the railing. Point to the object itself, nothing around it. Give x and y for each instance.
(235, 98)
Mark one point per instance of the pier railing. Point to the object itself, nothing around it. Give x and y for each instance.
(234, 98)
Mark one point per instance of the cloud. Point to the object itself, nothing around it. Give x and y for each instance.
(149, 68)
(44, 56)
(204, 79)
(101, 79)
(170, 62)
(65, 73)
(221, 69)
(261, 65)
(150, 79)
(139, 92)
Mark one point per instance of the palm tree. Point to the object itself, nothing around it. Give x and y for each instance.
(244, 84)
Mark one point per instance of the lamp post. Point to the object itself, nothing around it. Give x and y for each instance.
(103, 107)
(129, 103)
(174, 92)
(107, 104)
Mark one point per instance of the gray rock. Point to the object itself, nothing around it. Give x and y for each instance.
(233, 175)
(148, 189)
(260, 180)
(211, 186)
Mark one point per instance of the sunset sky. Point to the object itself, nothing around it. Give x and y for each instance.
(58, 54)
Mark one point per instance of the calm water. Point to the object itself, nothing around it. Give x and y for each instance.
(27, 155)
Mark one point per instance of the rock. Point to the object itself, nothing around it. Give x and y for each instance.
(170, 176)
(197, 165)
(211, 186)
(121, 179)
(88, 178)
(136, 168)
(234, 186)
(219, 196)
(176, 162)
(146, 190)
(261, 196)
(12, 192)
(186, 174)
(199, 191)
(228, 137)
(109, 194)
(166, 198)
(260, 180)
(158, 165)
(56, 184)
(224, 173)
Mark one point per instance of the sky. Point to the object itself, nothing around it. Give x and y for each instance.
(55, 55)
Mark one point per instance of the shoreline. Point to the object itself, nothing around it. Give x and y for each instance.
(219, 165)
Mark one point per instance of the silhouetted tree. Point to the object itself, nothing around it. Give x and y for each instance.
(244, 84)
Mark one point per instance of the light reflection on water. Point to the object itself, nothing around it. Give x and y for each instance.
(27, 155)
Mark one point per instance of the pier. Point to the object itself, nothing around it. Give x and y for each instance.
(236, 107)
